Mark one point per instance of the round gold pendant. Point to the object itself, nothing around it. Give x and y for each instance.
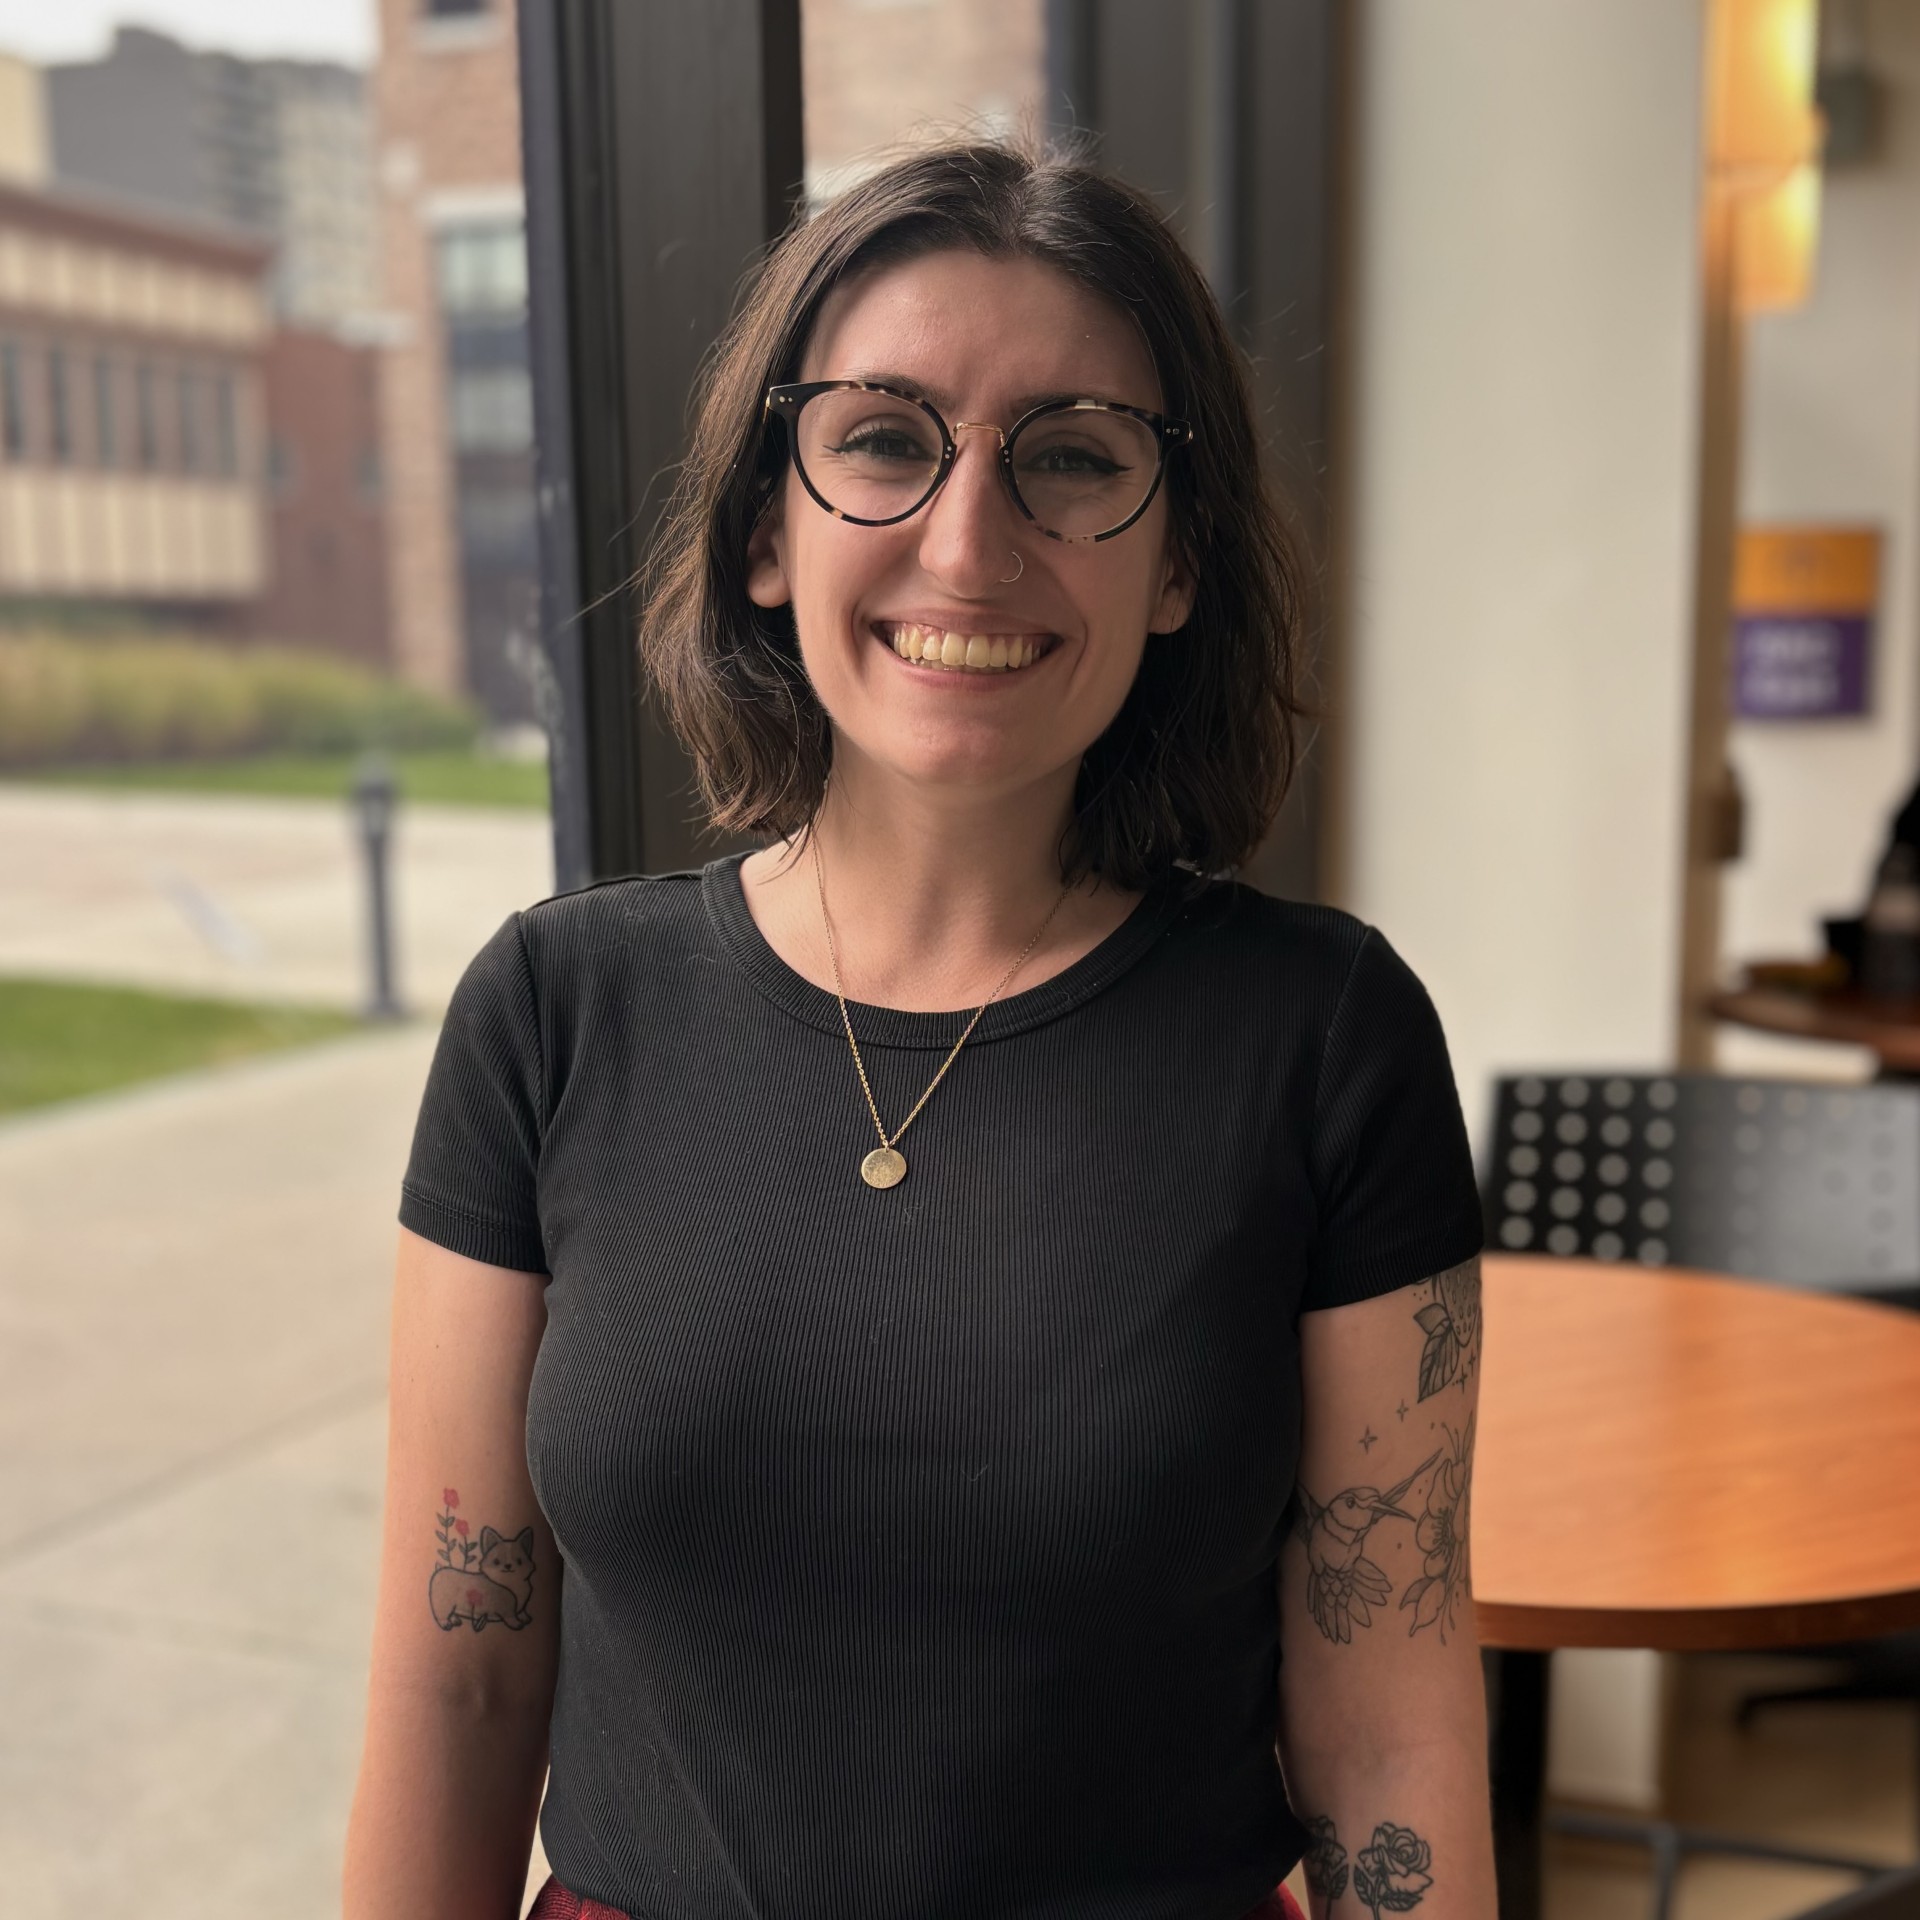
(883, 1167)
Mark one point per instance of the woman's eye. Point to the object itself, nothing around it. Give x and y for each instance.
(1068, 462)
(882, 443)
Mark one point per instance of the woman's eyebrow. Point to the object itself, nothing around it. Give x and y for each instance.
(945, 403)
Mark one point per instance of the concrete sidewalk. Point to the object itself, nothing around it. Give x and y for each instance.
(249, 897)
(194, 1281)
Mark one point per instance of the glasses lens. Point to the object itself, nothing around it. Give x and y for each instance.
(1084, 471)
(868, 455)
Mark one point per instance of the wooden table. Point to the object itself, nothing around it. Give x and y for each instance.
(1836, 1014)
(1680, 1461)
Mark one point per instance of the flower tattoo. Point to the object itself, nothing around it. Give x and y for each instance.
(1392, 1871)
(1325, 1861)
(1441, 1535)
(476, 1583)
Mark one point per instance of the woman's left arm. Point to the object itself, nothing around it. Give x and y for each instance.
(1382, 1714)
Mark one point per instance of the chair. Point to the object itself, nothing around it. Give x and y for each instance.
(1772, 1179)
(1781, 1180)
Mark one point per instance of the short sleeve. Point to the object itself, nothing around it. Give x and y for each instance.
(472, 1181)
(1391, 1169)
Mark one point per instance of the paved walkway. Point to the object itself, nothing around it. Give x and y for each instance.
(194, 1281)
(254, 898)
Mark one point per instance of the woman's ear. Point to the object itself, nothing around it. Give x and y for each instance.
(1177, 586)
(767, 584)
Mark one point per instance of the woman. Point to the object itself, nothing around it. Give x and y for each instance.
(959, 1292)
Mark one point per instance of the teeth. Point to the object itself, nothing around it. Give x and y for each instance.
(970, 652)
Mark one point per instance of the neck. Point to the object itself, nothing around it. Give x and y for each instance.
(932, 890)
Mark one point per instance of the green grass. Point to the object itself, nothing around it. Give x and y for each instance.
(442, 778)
(59, 1040)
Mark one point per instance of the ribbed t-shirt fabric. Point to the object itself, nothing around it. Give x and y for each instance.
(919, 1545)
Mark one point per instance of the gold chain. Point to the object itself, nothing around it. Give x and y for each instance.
(839, 993)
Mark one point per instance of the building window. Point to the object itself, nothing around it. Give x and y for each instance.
(105, 426)
(455, 9)
(13, 409)
(59, 407)
(492, 410)
(497, 527)
(146, 417)
(282, 469)
(483, 269)
(226, 427)
(189, 424)
(368, 481)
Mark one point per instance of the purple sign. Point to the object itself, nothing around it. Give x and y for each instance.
(1806, 666)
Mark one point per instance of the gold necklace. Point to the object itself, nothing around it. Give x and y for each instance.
(886, 1165)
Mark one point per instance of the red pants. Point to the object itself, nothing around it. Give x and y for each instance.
(556, 1903)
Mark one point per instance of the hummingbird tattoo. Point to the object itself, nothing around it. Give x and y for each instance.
(1343, 1585)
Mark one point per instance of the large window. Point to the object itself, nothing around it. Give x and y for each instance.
(189, 407)
(146, 417)
(59, 407)
(105, 438)
(13, 401)
(483, 268)
(226, 427)
(491, 410)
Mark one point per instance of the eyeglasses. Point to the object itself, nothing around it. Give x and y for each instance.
(874, 455)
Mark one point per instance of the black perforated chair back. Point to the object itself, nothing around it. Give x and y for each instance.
(1778, 1179)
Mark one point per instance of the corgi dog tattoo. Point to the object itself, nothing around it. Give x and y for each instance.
(478, 1582)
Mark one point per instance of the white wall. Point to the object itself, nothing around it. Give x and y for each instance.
(1833, 434)
(1522, 423)
(1520, 444)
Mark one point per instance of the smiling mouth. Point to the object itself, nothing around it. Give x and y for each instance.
(925, 646)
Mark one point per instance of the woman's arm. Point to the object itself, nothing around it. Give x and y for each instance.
(1382, 1713)
(465, 1636)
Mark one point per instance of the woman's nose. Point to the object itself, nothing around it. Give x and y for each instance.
(968, 538)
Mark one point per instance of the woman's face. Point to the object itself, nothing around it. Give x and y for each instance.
(982, 340)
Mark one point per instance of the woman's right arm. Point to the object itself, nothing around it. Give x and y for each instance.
(465, 1639)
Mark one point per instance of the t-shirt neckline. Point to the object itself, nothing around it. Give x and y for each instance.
(725, 899)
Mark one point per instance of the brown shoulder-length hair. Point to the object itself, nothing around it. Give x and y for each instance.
(1193, 768)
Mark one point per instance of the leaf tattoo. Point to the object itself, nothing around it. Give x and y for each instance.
(1441, 1535)
(1325, 1860)
(1393, 1871)
(1451, 1322)
(1343, 1585)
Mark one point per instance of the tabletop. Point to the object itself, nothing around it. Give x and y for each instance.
(1682, 1460)
(1834, 1014)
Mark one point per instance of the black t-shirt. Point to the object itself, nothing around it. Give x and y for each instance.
(920, 1544)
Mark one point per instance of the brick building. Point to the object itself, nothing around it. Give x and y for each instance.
(327, 586)
(131, 409)
(456, 398)
(281, 149)
(876, 74)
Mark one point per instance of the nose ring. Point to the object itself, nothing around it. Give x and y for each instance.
(1019, 567)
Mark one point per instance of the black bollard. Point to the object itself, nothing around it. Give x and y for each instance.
(375, 795)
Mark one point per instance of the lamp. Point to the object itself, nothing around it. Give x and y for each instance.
(1763, 141)
(1760, 84)
(1760, 204)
